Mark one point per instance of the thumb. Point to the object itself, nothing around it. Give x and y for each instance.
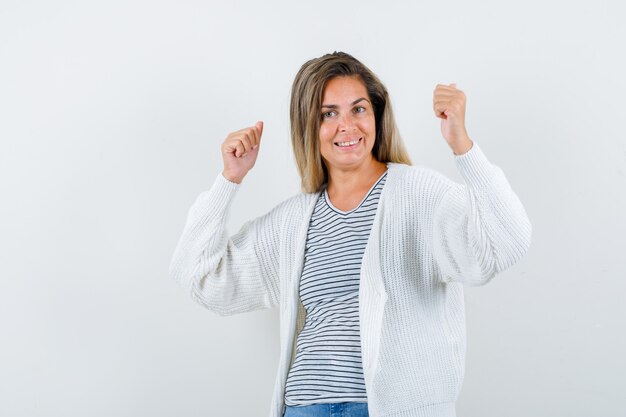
(259, 125)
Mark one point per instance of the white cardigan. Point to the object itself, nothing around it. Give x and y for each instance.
(430, 235)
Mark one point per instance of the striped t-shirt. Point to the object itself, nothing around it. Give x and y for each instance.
(327, 367)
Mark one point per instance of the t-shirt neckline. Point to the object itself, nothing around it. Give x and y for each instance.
(327, 198)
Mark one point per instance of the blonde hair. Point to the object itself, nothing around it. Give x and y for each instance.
(305, 116)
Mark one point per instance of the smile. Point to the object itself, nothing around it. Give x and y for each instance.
(348, 143)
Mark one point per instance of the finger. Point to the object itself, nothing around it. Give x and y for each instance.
(450, 109)
(455, 98)
(239, 150)
(247, 140)
(236, 144)
(444, 99)
(233, 146)
(446, 88)
(448, 91)
(255, 136)
(438, 109)
(230, 144)
(442, 104)
(251, 134)
(441, 108)
(444, 95)
(258, 130)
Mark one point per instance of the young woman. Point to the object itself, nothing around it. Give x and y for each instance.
(368, 263)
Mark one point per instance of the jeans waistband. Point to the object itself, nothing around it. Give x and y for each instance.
(346, 409)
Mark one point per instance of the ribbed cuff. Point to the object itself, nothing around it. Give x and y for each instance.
(474, 167)
(220, 194)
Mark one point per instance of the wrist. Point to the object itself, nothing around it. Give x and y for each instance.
(232, 178)
(462, 147)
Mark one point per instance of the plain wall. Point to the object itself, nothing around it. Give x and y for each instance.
(111, 119)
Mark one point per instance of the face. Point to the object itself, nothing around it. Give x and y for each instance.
(348, 128)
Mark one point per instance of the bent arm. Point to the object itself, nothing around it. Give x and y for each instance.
(227, 275)
(480, 228)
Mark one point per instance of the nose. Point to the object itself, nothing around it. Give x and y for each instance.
(346, 122)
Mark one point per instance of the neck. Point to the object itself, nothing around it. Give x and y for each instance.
(345, 181)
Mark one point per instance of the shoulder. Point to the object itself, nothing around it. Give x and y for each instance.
(295, 204)
(415, 187)
(283, 219)
(416, 177)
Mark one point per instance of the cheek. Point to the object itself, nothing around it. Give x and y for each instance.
(325, 134)
(369, 126)
(373, 123)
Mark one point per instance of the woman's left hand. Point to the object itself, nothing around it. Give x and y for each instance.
(449, 106)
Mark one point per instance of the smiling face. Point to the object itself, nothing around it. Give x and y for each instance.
(348, 128)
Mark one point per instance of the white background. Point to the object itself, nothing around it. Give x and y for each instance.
(111, 118)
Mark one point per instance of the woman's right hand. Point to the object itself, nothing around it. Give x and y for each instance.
(239, 152)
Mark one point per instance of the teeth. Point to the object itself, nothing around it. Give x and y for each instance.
(348, 143)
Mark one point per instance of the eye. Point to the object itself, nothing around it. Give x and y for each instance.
(327, 114)
(359, 109)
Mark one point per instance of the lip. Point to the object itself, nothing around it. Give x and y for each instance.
(348, 140)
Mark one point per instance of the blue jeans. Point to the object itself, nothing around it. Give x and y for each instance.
(328, 410)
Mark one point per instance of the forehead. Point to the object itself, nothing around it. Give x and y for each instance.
(340, 89)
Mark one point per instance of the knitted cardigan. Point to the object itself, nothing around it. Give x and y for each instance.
(430, 237)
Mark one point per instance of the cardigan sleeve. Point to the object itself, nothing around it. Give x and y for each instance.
(481, 227)
(227, 275)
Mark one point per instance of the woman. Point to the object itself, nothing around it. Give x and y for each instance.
(367, 264)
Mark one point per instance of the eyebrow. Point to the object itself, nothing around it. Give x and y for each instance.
(334, 106)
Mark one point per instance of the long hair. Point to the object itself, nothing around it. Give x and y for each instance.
(305, 116)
